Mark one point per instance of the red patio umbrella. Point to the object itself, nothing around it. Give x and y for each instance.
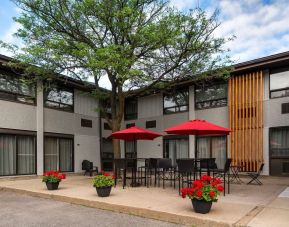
(198, 127)
(134, 133)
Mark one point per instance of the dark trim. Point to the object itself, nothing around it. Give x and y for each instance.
(59, 135)
(181, 111)
(17, 132)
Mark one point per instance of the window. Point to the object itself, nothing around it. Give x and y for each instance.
(17, 155)
(107, 154)
(279, 142)
(176, 147)
(130, 111)
(213, 147)
(106, 126)
(211, 96)
(13, 89)
(86, 123)
(151, 124)
(58, 97)
(176, 102)
(279, 83)
(58, 154)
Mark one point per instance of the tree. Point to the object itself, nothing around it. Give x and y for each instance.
(134, 43)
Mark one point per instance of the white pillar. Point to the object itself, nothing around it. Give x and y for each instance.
(40, 128)
(192, 116)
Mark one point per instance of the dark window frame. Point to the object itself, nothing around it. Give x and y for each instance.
(18, 95)
(31, 135)
(63, 88)
(130, 116)
(151, 124)
(280, 89)
(211, 100)
(60, 136)
(175, 137)
(86, 123)
(177, 108)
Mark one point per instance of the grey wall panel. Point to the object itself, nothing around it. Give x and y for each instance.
(219, 116)
(17, 116)
(84, 104)
(174, 119)
(272, 113)
(150, 106)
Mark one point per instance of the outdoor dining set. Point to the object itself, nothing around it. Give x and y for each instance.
(161, 171)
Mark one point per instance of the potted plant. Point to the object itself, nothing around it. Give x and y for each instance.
(203, 193)
(52, 179)
(103, 183)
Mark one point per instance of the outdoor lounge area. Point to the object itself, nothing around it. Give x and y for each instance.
(247, 205)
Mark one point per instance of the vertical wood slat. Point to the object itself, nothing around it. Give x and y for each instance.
(246, 119)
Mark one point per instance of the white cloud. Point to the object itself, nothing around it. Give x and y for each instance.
(8, 37)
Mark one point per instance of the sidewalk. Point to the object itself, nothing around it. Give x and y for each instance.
(247, 205)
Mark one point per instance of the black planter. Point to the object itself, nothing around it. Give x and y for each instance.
(201, 206)
(103, 191)
(52, 185)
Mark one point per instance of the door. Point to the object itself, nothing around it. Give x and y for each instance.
(279, 151)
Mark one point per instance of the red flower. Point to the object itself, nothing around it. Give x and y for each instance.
(220, 188)
(217, 180)
(212, 194)
(206, 178)
(197, 184)
(184, 192)
(62, 176)
(199, 193)
(106, 174)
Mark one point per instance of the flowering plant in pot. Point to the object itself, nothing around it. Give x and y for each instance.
(203, 193)
(52, 179)
(103, 183)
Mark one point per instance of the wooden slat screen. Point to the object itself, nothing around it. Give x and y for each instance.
(246, 120)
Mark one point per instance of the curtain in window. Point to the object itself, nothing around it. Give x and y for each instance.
(176, 149)
(25, 155)
(7, 155)
(130, 149)
(51, 153)
(219, 150)
(203, 147)
(65, 152)
(279, 142)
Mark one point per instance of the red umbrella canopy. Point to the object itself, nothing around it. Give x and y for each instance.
(134, 133)
(197, 127)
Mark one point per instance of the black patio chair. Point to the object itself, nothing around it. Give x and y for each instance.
(120, 165)
(151, 169)
(165, 171)
(222, 174)
(186, 169)
(207, 165)
(88, 167)
(255, 175)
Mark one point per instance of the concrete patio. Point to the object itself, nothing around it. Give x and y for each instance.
(247, 205)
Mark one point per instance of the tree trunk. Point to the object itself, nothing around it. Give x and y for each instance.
(116, 143)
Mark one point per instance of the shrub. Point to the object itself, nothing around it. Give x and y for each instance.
(53, 176)
(206, 188)
(103, 180)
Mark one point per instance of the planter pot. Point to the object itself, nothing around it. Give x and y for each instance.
(103, 191)
(52, 185)
(201, 206)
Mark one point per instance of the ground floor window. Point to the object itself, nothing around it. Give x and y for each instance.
(176, 148)
(212, 147)
(17, 155)
(279, 151)
(107, 154)
(58, 154)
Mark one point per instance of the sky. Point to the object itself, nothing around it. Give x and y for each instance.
(261, 27)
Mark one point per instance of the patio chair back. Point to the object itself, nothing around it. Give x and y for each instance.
(186, 165)
(210, 162)
(152, 163)
(261, 168)
(86, 165)
(227, 165)
(119, 163)
(164, 163)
